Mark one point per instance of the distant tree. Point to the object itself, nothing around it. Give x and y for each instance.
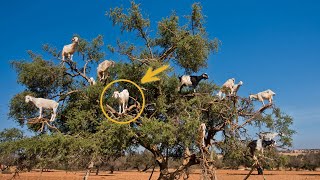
(141, 161)
(311, 161)
(282, 162)
(166, 129)
(295, 162)
(8, 137)
(12, 134)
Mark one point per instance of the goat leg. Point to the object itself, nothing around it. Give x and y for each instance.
(40, 113)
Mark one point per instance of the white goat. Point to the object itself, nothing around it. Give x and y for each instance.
(103, 68)
(236, 87)
(261, 96)
(92, 82)
(268, 136)
(69, 49)
(226, 87)
(44, 103)
(123, 98)
(202, 134)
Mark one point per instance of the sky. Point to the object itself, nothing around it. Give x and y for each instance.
(266, 44)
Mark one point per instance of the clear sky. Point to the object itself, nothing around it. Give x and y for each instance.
(266, 44)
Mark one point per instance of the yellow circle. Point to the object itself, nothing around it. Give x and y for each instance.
(122, 80)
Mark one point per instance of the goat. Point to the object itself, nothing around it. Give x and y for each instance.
(69, 49)
(92, 82)
(236, 87)
(259, 145)
(268, 136)
(226, 87)
(193, 81)
(202, 134)
(267, 94)
(44, 103)
(266, 139)
(123, 98)
(103, 68)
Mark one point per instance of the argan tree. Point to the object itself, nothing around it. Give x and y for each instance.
(168, 126)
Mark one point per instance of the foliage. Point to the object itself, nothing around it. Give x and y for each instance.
(170, 120)
(12, 134)
(309, 161)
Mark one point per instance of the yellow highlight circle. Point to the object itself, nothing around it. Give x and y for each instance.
(128, 81)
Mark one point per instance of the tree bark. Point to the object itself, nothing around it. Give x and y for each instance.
(98, 169)
(86, 176)
(146, 168)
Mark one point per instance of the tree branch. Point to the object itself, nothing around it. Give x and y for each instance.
(74, 68)
(166, 53)
(261, 110)
(63, 96)
(85, 67)
(144, 36)
(42, 121)
(115, 113)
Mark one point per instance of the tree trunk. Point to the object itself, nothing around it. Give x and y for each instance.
(137, 167)
(111, 169)
(164, 171)
(163, 163)
(86, 176)
(97, 172)
(146, 168)
(260, 170)
(154, 166)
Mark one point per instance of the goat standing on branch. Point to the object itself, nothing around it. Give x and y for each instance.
(193, 81)
(268, 136)
(267, 94)
(265, 140)
(44, 103)
(236, 88)
(103, 68)
(227, 87)
(69, 49)
(259, 145)
(92, 82)
(123, 98)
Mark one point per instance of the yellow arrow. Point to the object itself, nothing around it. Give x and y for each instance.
(149, 76)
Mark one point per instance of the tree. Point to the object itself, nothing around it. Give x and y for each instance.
(141, 161)
(188, 46)
(12, 134)
(168, 128)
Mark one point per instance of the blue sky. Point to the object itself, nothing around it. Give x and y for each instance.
(266, 44)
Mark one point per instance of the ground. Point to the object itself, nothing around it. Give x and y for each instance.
(134, 175)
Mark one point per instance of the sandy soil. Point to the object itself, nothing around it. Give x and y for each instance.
(134, 175)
